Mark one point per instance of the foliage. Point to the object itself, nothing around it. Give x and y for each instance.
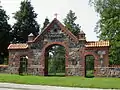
(25, 22)
(4, 34)
(69, 21)
(89, 61)
(89, 74)
(73, 81)
(56, 61)
(46, 22)
(108, 26)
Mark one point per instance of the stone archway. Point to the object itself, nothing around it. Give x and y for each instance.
(45, 61)
(57, 34)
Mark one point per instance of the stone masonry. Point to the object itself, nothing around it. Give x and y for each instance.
(76, 49)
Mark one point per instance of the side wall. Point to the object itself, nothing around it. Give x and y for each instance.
(14, 60)
(101, 57)
(75, 62)
(34, 65)
(108, 72)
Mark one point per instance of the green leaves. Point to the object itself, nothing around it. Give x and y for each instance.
(108, 26)
(56, 61)
(69, 21)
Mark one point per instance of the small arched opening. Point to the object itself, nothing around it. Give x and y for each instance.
(89, 66)
(23, 65)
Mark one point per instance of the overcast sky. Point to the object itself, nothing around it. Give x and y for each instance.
(86, 16)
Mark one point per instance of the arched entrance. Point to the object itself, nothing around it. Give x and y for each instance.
(89, 66)
(76, 48)
(55, 59)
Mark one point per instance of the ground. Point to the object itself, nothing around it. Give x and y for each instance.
(68, 81)
(11, 86)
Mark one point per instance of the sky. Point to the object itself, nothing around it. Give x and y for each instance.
(86, 15)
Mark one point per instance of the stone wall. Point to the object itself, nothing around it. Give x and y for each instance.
(108, 72)
(75, 53)
(99, 60)
(75, 64)
(34, 67)
(14, 60)
(75, 67)
(95, 52)
(3, 68)
(36, 57)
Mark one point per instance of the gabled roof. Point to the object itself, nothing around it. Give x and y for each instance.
(63, 29)
(88, 44)
(18, 46)
(97, 44)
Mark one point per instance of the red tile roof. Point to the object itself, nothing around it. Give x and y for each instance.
(97, 44)
(18, 46)
(3, 65)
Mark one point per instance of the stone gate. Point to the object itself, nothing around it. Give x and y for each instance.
(76, 48)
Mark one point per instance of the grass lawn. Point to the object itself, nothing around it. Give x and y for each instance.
(63, 81)
(90, 73)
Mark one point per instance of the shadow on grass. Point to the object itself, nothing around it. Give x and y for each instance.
(55, 75)
(48, 75)
(89, 76)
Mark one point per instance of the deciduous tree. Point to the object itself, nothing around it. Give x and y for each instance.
(108, 26)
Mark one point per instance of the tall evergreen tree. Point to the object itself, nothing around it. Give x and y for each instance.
(108, 26)
(69, 21)
(46, 22)
(4, 34)
(25, 22)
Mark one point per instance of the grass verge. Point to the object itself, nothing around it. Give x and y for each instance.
(63, 81)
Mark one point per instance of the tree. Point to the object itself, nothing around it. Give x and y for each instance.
(4, 35)
(46, 22)
(25, 22)
(56, 60)
(108, 26)
(69, 21)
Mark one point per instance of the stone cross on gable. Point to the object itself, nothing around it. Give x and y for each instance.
(56, 15)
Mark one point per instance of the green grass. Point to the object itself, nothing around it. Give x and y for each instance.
(63, 81)
(90, 73)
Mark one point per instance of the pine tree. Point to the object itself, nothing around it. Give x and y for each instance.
(46, 22)
(69, 21)
(25, 22)
(4, 34)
